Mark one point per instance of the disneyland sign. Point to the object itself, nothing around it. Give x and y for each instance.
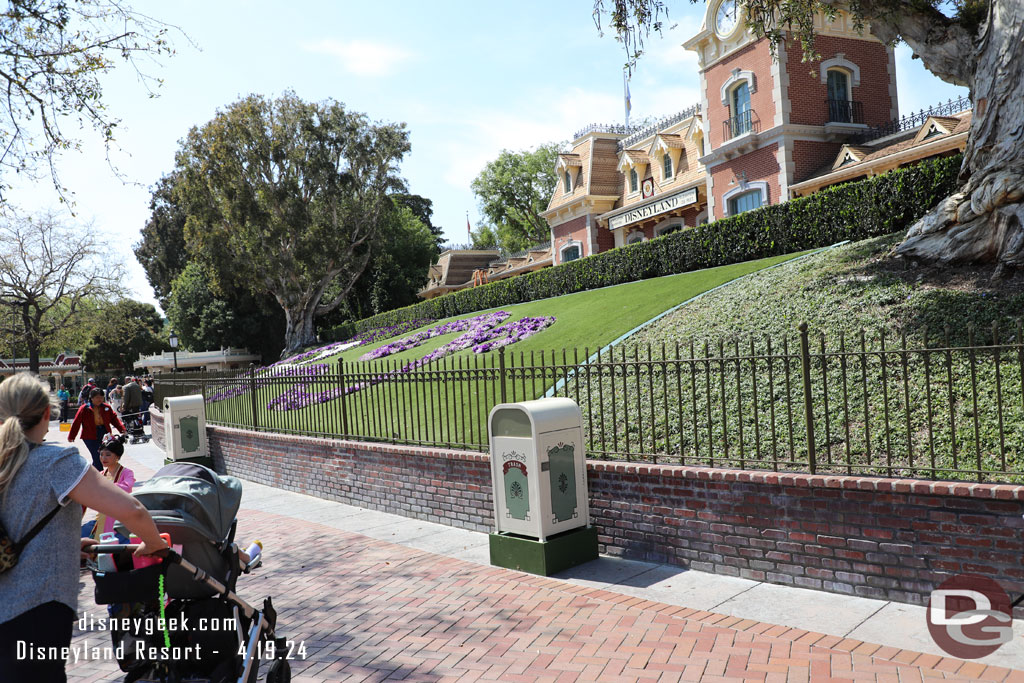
(669, 203)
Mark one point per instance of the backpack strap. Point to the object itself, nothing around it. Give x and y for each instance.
(20, 545)
(27, 538)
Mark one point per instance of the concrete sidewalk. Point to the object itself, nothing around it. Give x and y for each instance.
(377, 596)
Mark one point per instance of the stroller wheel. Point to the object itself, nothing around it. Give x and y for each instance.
(280, 672)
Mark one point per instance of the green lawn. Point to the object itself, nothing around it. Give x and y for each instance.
(420, 407)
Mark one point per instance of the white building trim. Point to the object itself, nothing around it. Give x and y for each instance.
(841, 62)
(743, 187)
(738, 75)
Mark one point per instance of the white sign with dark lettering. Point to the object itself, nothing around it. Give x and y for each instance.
(675, 201)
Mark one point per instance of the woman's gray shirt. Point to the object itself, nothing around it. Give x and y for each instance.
(48, 568)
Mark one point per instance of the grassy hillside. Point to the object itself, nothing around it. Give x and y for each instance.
(913, 414)
(583, 320)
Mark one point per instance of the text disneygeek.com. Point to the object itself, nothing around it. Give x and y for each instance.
(137, 649)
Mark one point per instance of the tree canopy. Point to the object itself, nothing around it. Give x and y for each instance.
(50, 272)
(53, 54)
(287, 197)
(513, 190)
(204, 319)
(128, 329)
(161, 250)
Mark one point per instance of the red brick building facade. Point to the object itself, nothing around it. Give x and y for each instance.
(768, 128)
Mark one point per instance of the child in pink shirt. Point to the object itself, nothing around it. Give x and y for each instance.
(110, 456)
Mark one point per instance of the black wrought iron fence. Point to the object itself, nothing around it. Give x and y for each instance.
(868, 404)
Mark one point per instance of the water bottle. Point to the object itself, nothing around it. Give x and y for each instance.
(105, 561)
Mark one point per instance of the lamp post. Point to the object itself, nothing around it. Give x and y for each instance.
(173, 340)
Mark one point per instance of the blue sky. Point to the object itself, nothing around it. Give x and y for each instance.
(468, 78)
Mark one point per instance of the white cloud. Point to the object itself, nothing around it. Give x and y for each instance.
(362, 57)
(537, 120)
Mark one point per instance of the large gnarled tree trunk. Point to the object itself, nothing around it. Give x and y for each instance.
(984, 221)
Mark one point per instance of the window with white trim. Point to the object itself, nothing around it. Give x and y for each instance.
(666, 165)
(740, 122)
(634, 180)
(840, 104)
(745, 202)
(669, 229)
(568, 182)
(635, 236)
(570, 253)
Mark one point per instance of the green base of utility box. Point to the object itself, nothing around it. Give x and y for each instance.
(204, 460)
(558, 553)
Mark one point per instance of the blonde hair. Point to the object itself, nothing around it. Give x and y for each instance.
(23, 397)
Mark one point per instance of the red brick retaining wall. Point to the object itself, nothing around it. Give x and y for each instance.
(892, 539)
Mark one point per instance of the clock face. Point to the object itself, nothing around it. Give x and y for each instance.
(726, 18)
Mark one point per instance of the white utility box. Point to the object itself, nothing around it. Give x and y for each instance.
(538, 467)
(185, 427)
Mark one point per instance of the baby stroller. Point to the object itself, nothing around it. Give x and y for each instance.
(179, 620)
(134, 427)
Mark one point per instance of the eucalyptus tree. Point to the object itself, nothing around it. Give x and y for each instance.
(287, 197)
(974, 43)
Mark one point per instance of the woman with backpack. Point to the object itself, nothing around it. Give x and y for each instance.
(40, 542)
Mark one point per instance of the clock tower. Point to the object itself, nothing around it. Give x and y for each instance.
(772, 121)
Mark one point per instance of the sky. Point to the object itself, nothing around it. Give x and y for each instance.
(468, 78)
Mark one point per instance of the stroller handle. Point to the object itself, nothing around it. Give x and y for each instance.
(120, 549)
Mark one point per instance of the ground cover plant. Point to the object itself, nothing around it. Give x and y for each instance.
(956, 414)
(412, 401)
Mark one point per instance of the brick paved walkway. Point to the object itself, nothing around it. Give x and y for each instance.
(371, 610)
(368, 610)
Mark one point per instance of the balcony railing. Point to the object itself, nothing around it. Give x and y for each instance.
(913, 120)
(746, 122)
(844, 111)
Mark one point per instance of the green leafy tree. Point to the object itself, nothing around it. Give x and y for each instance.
(974, 43)
(206, 320)
(287, 197)
(161, 251)
(53, 54)
(485, 237)
(513, 190)
(401, 259)
(129, 329)
(423, 209)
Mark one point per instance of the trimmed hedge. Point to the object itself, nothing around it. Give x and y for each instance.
(853, 211)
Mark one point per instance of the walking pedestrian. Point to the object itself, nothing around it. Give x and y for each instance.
(37, 483)
(132, 401)
(62, 398)
(95, 419)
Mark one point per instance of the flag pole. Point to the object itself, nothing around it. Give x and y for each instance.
(625, 92)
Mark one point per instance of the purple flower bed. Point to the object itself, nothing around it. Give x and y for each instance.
(481, 333)
(478, 323)
(389, 331)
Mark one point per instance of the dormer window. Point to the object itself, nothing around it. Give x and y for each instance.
(667, 165)
(634, 180)
(568, 182)
(933, 131)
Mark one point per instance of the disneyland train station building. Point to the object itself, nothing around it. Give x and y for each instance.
(767, 129)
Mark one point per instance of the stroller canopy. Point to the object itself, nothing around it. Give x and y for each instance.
(206, 500)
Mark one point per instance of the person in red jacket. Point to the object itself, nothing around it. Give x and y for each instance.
(95, 419)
